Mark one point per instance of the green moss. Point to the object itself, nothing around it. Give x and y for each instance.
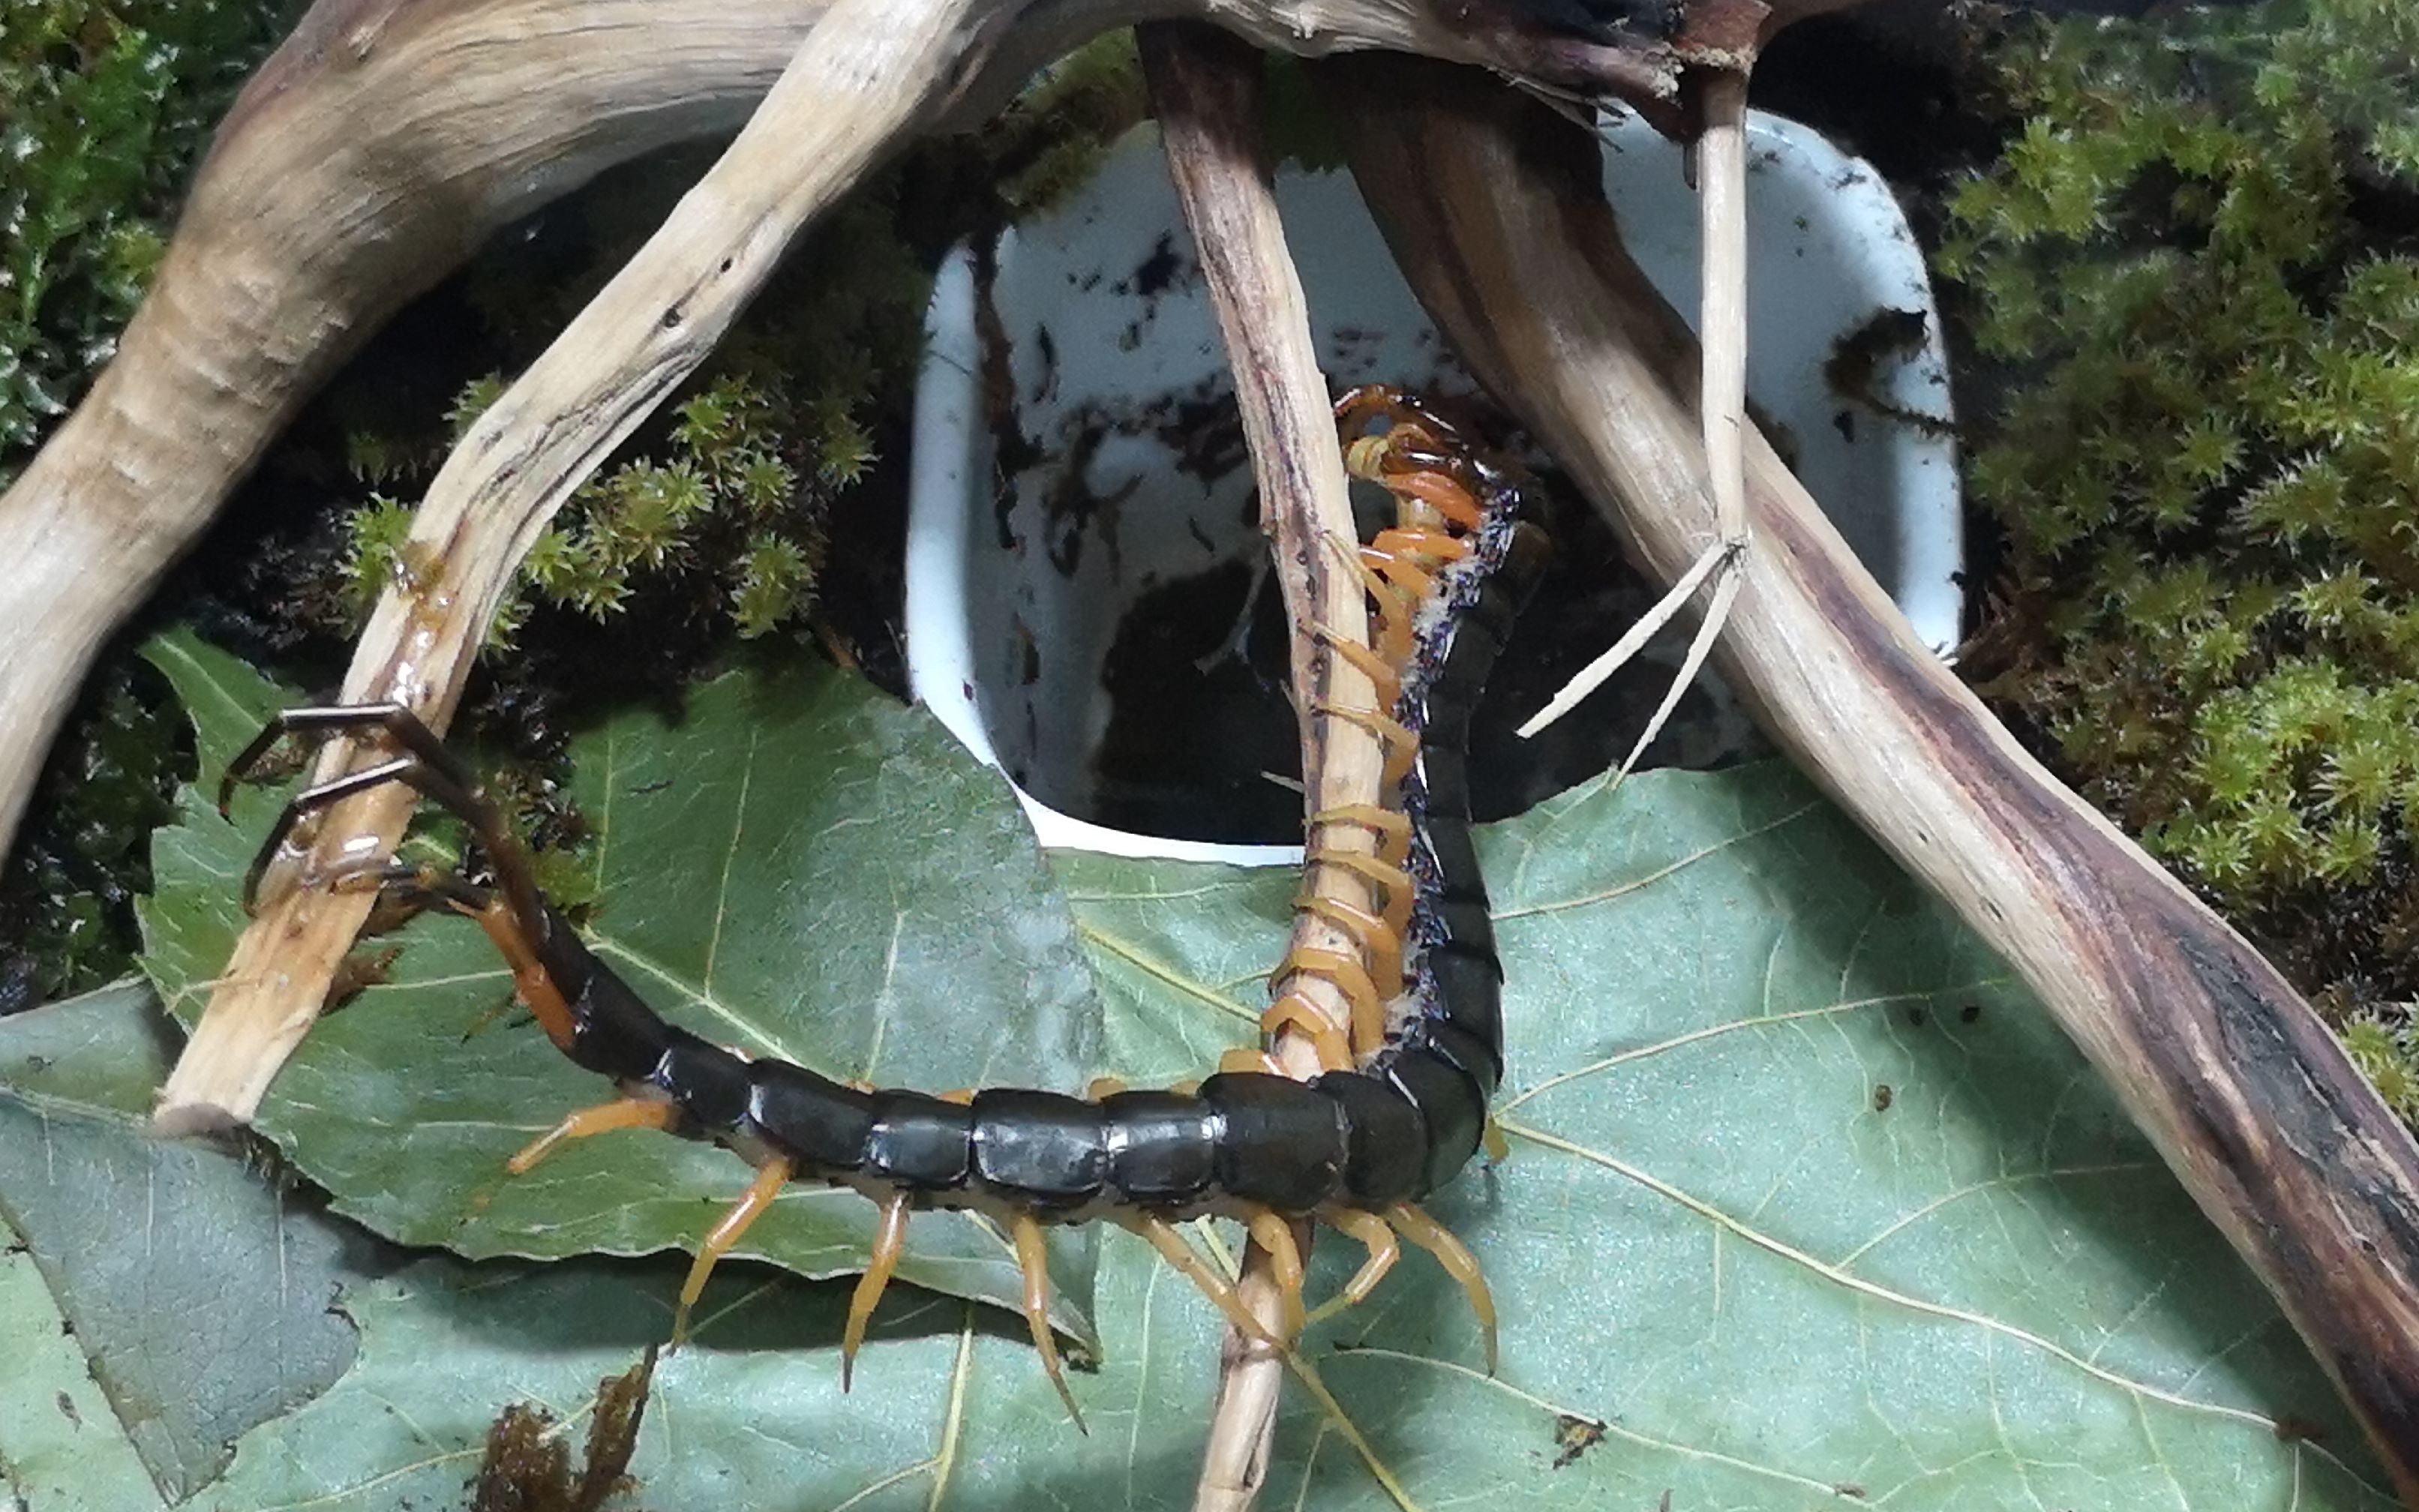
(2198, 263)
(103, 106)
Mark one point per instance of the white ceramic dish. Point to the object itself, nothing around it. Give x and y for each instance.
(1112, 354)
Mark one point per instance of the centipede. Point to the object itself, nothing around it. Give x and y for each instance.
(1399, 1109)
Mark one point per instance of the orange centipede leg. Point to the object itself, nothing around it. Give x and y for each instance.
(770, 1177)
(1294, 1011)
(1033, 1258)
(1401, 746)
(1275, 1236)
(1436, 545)
(1380, 673)
(1162, 1236)
(963, 1096)
(622, 1113)
(1440, 493)
(1381, 946)
(1374, 1235)
(1352, 978)
(1391, 827)
(1411, 581)
(889, 1242)
(1244, 1060)
(1457, 1261)
(1103, 1087)
(1394, 880)
(1394, 608)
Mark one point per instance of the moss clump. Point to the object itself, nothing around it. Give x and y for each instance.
(103, 106)
(2200, 263)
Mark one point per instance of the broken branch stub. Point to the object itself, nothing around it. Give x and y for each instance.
(1493, 210)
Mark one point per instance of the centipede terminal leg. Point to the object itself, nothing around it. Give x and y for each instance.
(889, 1242)
(770, 1177)
(1433, 1236)
(1033, 1258)
(622, 1113)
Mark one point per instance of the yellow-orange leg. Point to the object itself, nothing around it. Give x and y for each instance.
(1410, 578)
(1103, 1087)
(622, 1113)
(1162, 1236)
(1380, 670)
(889, 1242)
(1393, 829)
(1401, 746)
(1440, 493)
(1390, 631)
(1394, 880)
(1296, 1011)
(1033, 1258)
(1375, 1237)
(1457, 1261)
(1244, 1060)
(770, 1177)
(963, 1097)
(1351, 978)
(1499, 1149)
(1275, 1235)
(1419, 544)
(1380, 945)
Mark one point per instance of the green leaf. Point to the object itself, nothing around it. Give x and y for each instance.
(61, 1447)
(1809, 1204)
(799, 868)
(197, 1290)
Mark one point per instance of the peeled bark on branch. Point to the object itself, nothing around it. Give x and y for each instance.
(1494, 212)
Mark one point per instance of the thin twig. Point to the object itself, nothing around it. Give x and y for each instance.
(1720, 156)
(1205, 87)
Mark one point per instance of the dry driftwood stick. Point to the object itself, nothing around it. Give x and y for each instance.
(867, 72)
(380, 144)
(1205, 87)
(1495, 214)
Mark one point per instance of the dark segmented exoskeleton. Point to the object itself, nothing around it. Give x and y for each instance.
(1357, 1146)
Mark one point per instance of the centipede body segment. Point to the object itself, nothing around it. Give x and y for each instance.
(1397, 1116)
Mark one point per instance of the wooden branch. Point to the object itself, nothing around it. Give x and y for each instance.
(868, 71)
(380, 144)
(1205, 88)
(1494, 212)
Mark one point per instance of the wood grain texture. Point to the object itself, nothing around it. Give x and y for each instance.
(1492, 208)
(1205, 86)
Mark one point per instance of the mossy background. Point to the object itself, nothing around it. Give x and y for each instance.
(2197, 266)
